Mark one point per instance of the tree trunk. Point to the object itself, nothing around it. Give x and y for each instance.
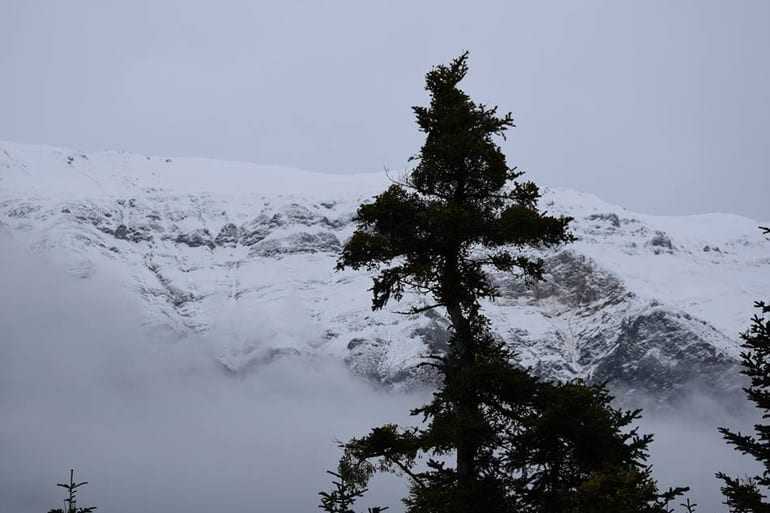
(466, 404)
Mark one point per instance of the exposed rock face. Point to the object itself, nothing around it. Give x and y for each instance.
(301, 242)
(228, 235)
(196, 239)
(661, 243)
(645, 360)
(648, 304)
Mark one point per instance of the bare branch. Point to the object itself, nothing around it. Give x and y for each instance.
(406, 471)
(430, 364)
(415, 310)
(397, 182)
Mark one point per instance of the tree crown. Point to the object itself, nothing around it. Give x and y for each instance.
(460, 209)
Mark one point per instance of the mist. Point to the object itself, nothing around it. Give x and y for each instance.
(157, 425)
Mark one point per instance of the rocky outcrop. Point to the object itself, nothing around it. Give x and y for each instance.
(650, 305)
(302, 242)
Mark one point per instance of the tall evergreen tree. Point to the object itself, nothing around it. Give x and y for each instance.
(749, 495)
(494, 438)
(451, 218)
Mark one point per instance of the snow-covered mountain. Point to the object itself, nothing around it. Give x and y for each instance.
(242, 256)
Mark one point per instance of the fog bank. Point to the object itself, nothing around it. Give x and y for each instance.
(158, 426)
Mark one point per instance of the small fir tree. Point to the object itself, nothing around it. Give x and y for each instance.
(71, 503)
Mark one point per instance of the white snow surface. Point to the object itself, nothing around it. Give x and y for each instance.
(267, 288)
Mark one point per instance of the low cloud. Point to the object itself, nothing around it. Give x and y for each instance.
(159, 426)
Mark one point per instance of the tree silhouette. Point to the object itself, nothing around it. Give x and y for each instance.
(517, 444)
(70, 503)
(746, 495)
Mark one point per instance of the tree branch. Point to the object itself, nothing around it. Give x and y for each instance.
(415, 310)
(406, 471)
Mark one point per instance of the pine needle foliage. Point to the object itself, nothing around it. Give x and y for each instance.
(748, 495)
(71, 502)
(349, 486)
(494, 438)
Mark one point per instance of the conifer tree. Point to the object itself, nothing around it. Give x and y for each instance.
(451, 218)
(494, 438)
(749, 495)
(71, 502)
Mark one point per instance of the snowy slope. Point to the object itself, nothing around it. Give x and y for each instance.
(242, 256)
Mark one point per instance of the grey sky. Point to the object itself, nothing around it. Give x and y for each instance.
(661, 106)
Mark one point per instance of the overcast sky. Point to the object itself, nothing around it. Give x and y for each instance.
(660, 106)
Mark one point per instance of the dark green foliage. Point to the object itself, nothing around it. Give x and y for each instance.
(494, 438)
(71, 503)
(349, 486)
(544, 447)
(689, 507)
(748, 495)
(461, 198)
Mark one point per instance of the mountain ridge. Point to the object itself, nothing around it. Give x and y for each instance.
(235, 254)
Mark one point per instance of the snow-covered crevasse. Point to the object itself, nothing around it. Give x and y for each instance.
(243, 256)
